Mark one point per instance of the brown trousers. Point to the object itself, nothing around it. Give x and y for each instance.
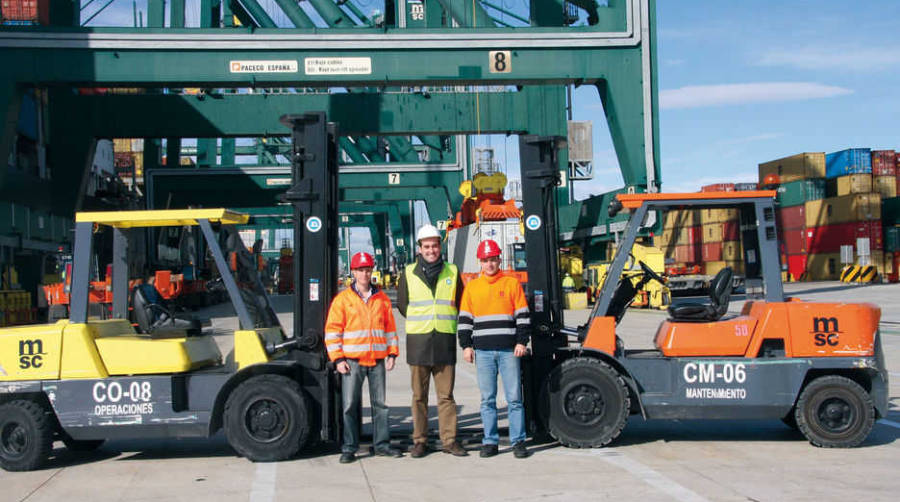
(444, 378)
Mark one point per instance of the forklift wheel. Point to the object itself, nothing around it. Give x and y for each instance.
(26, 435)
(267, 418)
(835, 412)
(585, 403)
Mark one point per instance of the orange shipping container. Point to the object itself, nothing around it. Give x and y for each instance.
(717, 215)
(732, 251)
(885, 186)
(793, 168)
(856, 207)
(712, 232)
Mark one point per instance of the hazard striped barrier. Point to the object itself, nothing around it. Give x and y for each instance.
(859, 273)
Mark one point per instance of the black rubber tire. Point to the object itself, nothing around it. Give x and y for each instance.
(80, 445)
(835, 412)
(584, 403)
(267, 418)
(26, 435)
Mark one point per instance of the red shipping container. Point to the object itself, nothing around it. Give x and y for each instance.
(791, 218)
(884, 163)
(718, 187)
(796, 265)
(795, 241)
(712, 251)
(690, 253)
(830, 238)
(731, 231)
(19, 10)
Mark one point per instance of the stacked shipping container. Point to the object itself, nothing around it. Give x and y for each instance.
(829, 201)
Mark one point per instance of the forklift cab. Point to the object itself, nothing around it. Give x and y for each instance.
(699, 328)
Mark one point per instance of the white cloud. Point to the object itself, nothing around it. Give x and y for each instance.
(696, 96)
(834, 58)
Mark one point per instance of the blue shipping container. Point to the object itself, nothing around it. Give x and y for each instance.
(850, 161)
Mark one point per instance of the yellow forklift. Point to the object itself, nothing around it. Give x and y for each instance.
(83, 380)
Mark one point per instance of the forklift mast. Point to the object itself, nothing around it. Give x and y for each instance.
(314, 197)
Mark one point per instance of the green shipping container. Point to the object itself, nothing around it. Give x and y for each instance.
(795, 193)
(892, 239)
(890, 211)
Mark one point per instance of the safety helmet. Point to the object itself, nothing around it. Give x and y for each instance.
(361, 260)
(487, 249)
(427, 232)
(770, 179)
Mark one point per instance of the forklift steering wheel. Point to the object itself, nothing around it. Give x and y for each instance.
(649, 271)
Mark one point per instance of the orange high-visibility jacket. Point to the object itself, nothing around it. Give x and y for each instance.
(359, 330)
(493, 314)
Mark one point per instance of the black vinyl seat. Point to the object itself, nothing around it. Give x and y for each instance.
(155, 319)
(719, 295)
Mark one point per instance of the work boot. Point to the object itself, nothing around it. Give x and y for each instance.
(520, 451)
(418, 450)
(488, 450)
(388, 451)
(456, 450)
(347, 458)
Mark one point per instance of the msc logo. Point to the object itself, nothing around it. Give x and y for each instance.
(826, 331)
(31, 354)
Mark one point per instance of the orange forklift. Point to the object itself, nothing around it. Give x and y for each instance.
(819, 367)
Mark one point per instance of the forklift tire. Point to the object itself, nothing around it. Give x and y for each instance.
(835, 412)
(585, 403)
(267, 418)
(26, 435)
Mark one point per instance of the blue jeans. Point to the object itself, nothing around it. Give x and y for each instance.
(351, 394)
(489, 363)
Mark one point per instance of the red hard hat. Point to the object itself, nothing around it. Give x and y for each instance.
(361, 260)
(487, 249)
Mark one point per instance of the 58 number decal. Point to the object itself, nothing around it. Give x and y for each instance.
(500, 61)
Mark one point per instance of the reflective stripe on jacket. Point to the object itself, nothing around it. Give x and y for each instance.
(493, 314)
(427, 313)
(361, 330)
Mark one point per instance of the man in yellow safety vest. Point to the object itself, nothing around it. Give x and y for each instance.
(428, 296)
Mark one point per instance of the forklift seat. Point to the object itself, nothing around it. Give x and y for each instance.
(719, 295)
(155, 319)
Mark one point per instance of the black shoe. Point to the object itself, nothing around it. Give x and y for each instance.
(347, 458)
(520, 451)
(418, 450)
(456, 450)
(388, 451)
(488, 450)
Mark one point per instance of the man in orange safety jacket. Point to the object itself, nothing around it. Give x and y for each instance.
(361, 339)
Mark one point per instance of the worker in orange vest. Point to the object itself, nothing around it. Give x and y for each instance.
(361, 339)
(494, 328)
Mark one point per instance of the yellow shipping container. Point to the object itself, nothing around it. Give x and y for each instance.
(139, 164)
(844, 209)
(886, 186)
(576, 301)
(680, 218)
(824, 266)
(717, 215)
(732, 251)
(689, 235)
(853, 183)
(712, 232)
(793, 168)
(714, 267)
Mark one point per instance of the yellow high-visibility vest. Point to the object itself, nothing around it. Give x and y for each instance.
(427, 313)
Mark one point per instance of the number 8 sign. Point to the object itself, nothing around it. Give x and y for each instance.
(500, 61)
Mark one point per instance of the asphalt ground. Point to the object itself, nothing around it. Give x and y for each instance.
(651, 460)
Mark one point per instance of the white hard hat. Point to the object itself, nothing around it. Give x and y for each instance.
(427, 232)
